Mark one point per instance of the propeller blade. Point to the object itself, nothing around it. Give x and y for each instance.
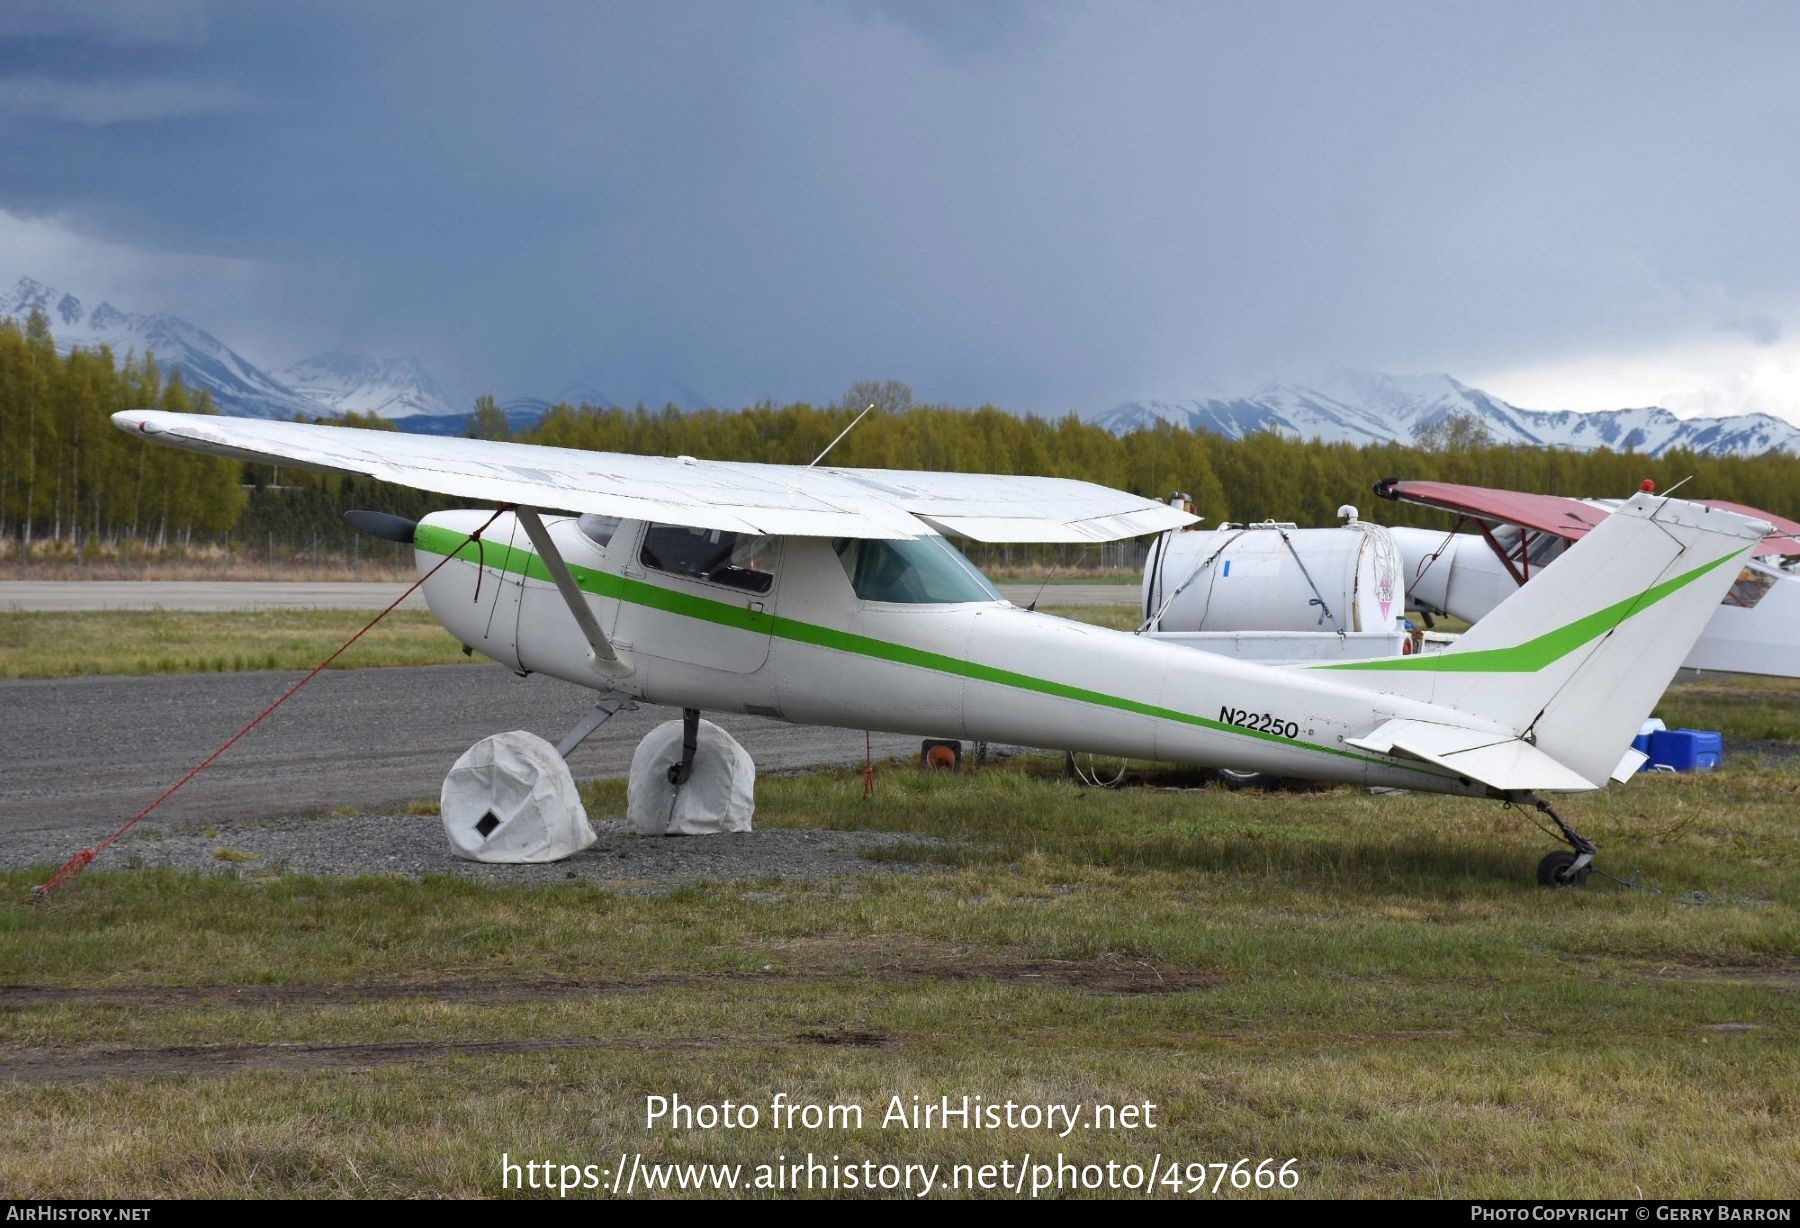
(384, 525)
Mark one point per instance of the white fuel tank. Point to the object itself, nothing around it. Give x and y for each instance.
(1275, 577)
(1455, 573)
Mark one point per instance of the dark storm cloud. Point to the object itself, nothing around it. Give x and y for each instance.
(1038, 205)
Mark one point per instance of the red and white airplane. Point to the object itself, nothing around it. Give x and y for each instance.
(1755, 629)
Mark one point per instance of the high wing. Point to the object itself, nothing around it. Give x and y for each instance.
(1565, 518)
(1556, 515)
(1785, 540)
(742, 498)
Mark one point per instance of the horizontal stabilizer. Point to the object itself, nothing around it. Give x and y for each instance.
(1496, 759)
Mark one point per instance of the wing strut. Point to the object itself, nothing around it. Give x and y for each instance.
(602, 656)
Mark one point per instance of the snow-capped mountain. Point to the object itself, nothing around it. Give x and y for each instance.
(523, 413)
(1347, 406)
(652, 393)
(395, 388)
(237, 385)
(1367, 407)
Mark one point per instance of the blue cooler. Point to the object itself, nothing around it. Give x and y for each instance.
(1641, 743)
(1686, 750)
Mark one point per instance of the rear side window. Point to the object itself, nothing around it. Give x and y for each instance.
(598, 529)
(736, 560)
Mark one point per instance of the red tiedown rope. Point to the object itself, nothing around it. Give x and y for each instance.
(85, 857)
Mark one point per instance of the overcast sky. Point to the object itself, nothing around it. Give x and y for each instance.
(1040, 205)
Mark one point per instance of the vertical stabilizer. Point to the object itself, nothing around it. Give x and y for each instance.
(1574, 661)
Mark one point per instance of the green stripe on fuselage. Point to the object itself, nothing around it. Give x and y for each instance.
(519, 562)
(1546, 649)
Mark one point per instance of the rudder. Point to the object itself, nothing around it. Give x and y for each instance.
(1574, 661)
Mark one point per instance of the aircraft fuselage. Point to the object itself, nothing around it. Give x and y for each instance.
(802, 646)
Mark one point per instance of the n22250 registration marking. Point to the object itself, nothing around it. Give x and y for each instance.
(1259, 722)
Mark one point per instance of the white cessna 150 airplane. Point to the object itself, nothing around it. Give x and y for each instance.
(831, 596)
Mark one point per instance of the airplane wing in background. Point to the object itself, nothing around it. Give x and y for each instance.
(1785, 540)
(1565, 518)
(1554, 514)
(742, 498)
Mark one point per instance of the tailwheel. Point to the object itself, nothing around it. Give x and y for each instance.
(1564, 868)
(1558, 869)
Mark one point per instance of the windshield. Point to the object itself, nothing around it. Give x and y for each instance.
(922, 571)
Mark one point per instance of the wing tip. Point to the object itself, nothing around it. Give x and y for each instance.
(138, 421)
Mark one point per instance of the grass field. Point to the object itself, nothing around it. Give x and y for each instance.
(68, 645)
(296, 560)
(63, 645)
(1745, 707)
(1118, 617)
(1370, 985)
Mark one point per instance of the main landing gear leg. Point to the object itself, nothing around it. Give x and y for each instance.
(690, 737)
(611, 704)
(1564, 869)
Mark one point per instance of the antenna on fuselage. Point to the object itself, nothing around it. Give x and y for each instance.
(834, 443)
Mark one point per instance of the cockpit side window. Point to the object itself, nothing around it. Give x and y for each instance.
(1751, 586)
(1546, 549)
(737, 560)
(598, 529)
(921, 571)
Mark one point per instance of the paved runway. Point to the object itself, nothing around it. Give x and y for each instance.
(63, 595)
(57, 596)
(85, 754)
